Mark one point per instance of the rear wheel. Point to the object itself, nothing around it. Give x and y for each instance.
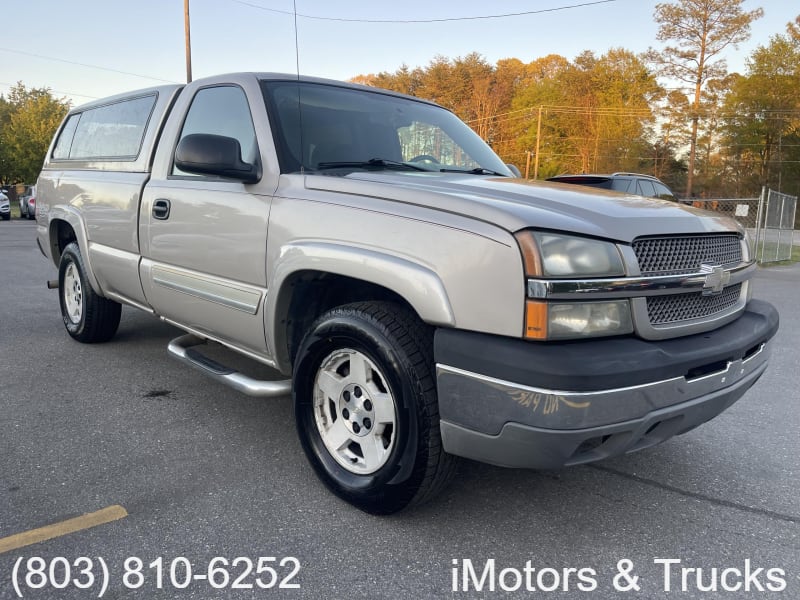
(366, 407)
(88, 317)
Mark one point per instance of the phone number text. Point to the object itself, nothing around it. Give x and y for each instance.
(96, 576)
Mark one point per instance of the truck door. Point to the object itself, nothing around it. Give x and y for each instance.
(204, 238)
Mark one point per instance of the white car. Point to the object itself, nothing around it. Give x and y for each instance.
(5, 208)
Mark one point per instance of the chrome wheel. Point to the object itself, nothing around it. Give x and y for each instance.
(73, 295)
(354, 411)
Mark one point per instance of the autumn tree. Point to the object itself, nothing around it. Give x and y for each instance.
(699, 30)
(709, 169)
(793, 29)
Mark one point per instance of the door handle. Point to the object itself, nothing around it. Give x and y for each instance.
(161, 209)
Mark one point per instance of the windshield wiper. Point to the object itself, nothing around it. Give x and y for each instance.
(384, 163)
(476, 171)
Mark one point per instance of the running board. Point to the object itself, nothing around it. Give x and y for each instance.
(182, 348)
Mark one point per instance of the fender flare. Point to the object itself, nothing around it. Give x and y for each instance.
(73, 218)
(420, 286)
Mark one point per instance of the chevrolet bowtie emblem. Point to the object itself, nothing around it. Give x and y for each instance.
(716, 279)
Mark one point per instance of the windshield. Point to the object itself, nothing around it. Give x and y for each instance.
(320, 127)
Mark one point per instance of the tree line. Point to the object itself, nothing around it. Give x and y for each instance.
(675, 113)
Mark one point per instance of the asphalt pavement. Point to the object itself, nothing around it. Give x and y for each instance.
(205, 485)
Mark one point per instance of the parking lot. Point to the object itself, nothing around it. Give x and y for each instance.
(201, 472)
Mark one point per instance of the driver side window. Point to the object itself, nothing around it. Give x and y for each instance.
(222, 110)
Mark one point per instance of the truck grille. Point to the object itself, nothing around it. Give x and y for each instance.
(679, 255)
(683, 307)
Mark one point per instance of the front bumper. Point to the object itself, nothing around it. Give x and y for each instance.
(521, 404)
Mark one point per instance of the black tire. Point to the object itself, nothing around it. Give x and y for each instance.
(89, 318)
(392, 339)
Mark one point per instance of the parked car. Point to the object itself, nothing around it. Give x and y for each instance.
(630, 183)
(5, 207)
(27, 203)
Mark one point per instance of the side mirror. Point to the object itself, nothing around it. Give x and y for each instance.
(207, 154)
(514, 170)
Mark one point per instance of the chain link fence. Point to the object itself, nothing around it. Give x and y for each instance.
(770, 219)
(775, 236)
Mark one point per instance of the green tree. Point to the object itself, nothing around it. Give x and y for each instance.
(535, 85)
(763, 129)
(700, 30)
(595, 114)
(6, 167)
(32, 119)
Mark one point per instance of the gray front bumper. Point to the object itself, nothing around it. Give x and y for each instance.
(547, 405)
(563, 429)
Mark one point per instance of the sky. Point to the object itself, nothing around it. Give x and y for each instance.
(88, 49)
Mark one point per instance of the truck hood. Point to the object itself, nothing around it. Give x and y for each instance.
(516, 204)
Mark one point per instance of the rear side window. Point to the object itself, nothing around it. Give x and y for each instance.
(64, 143)
(663, 191)
(111, 132)
(621, 185)
(645, 188)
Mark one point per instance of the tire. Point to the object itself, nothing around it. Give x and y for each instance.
(88, 317)
(366, 408)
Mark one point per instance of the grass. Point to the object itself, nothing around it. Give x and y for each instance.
(794, 258)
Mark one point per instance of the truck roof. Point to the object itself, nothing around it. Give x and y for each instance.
(169, 89)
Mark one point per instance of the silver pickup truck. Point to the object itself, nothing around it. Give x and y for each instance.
(417, 299)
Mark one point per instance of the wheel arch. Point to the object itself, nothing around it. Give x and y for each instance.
(314, 277)
(66, 226)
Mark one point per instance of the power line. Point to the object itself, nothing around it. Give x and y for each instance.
(72, 62)
(441, 20)
(63, 93)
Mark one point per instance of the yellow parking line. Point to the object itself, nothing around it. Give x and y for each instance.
(87, 521)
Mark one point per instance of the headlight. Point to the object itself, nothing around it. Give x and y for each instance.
(569, 320)
(555, 256)
(573, 257)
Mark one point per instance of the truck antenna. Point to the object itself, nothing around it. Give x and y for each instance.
(297, 71)
(296, 43)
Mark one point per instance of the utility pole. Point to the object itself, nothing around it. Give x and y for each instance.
(527, 162)
(538, 136)
(188, 41)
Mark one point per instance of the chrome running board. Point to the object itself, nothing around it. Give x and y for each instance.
(183, 349)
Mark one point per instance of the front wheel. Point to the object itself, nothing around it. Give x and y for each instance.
(366, 408)
(88, 317)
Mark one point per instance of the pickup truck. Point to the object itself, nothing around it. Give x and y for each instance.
(417, 298)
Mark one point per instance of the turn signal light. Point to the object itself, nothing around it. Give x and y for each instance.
(535, 320)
